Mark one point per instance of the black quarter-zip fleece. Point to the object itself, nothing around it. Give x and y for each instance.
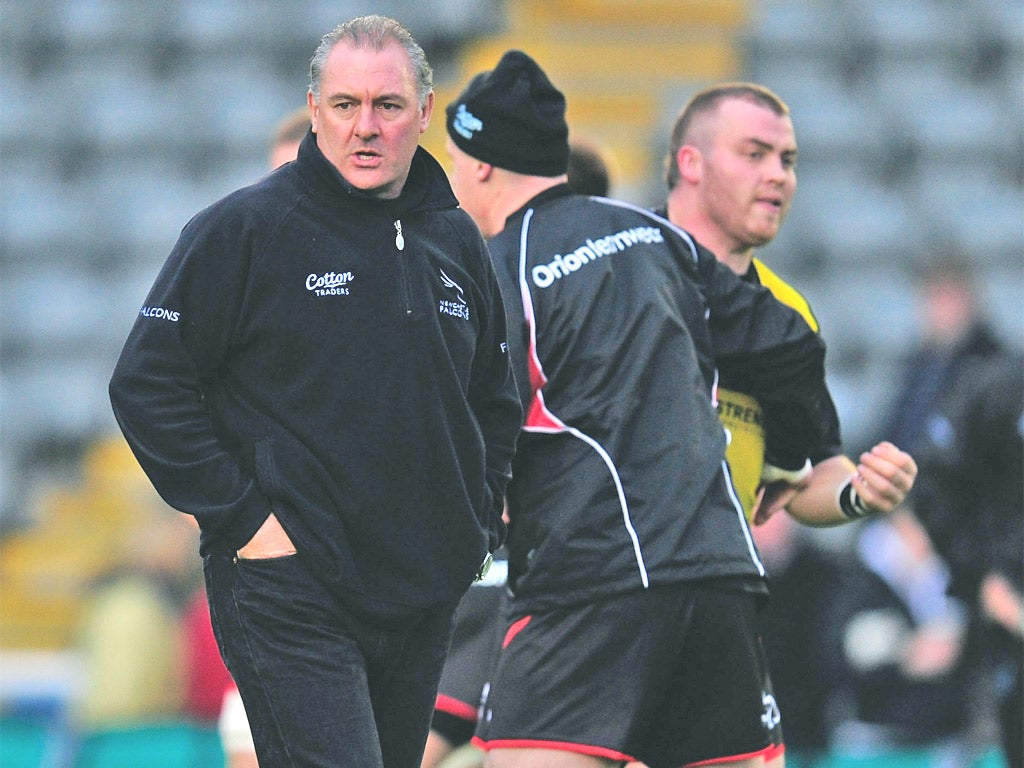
(296, 356)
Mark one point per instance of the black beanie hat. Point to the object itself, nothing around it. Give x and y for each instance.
(512, 117)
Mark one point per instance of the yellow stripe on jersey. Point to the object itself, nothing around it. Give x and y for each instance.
(741, 414)
(785, 293)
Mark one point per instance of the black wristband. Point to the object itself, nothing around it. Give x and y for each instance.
(850, 503)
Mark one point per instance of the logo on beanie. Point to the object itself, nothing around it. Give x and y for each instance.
(465, 124)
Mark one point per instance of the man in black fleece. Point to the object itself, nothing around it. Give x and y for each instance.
(320, 377)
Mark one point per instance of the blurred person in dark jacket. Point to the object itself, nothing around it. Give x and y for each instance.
(895, 639)
(955, 410)
(954, 336)
(973, 495)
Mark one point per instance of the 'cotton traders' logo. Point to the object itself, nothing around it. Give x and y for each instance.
(465, 124)
(330, 283)
(458, 307)
(160, 313)
(544, 275)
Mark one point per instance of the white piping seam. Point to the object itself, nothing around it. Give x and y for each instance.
(531, 322)
(714, 392)
(652, 215)
(742, 519)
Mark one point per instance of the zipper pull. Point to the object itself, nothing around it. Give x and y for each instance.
(399, 240)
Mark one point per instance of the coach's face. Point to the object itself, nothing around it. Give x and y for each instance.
(748, 172)
(368, 119)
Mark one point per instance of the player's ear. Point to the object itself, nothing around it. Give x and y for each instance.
(690, 162)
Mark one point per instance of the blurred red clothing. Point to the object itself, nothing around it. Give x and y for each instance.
(206, 677)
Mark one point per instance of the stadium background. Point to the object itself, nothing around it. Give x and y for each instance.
(121, 118)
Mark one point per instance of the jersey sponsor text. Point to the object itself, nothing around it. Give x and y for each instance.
(544, 275)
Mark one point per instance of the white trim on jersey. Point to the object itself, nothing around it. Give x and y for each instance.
(556, 424)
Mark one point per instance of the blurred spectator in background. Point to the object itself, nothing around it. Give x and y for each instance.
(973, 502)
(957, 416)
(588, 170)
(289, 133)
(206, 677)
(896, 638)
(954, 336)
(130, 636)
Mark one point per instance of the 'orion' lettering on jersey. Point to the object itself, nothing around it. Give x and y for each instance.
(329, 283)
(160, 313)
(544, 275)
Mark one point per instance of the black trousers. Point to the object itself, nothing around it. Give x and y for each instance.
(321, 686)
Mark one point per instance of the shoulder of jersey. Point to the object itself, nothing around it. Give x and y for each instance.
(785, 293)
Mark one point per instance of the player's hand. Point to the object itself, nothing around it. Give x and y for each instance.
(270, 541)
(777, 489)
(884, 477)
(773, 497)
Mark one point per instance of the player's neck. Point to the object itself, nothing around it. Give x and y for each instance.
(709, 235)
(736, 259)
(739, 262)
(512, 191)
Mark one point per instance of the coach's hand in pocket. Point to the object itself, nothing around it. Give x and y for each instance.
(270, 541)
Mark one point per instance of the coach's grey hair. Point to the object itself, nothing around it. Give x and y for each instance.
(373, 32)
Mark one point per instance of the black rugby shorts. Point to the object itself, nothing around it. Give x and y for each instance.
(672, 676)
(476, 643)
